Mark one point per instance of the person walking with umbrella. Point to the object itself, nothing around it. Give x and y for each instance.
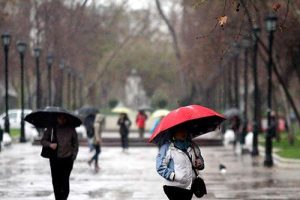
(124, 123)
(176, 162)
(179, 159)
(61, 142)
(1, 136)
(97, 140)
(141, 122)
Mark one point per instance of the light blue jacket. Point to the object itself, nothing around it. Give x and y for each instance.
(175, 166)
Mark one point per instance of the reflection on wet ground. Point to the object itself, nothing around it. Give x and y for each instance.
(25, 175)
(249, 179)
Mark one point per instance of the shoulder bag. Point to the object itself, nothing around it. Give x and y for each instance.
(47, 152)
(198, 185)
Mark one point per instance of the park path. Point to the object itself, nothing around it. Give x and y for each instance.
(132, 176)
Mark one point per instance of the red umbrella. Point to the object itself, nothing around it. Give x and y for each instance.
(197, 119)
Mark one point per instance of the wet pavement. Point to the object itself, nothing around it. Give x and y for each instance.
(132, 176)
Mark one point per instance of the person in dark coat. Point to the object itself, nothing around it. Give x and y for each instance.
(64, 141)
(124, 123)
(1, 137)
(273, 125)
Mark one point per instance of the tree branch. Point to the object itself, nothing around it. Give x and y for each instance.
(171, 29)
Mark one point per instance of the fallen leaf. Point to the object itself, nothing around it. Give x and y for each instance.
(276, 6)
(222, 20)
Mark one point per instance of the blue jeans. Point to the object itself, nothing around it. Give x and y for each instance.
(97, 152)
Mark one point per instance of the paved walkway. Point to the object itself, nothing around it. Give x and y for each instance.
(25, 175)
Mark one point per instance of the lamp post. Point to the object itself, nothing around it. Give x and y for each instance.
(270, 27)
(74, 91)
(229, 89)
(80, 90)
(245, 44)
(62, 66)
(21, 46)
(49, 64)
(5, 42)
(37, 53)
(69, 88)
(236, 76)
(255, 34)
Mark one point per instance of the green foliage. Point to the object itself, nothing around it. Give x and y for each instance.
(159, 100)
(14, 133)
(290, 152)
(112, 103)
(286, 150)
(162, 103)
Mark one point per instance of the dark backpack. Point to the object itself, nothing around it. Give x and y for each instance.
(1, 134)
(89, 125)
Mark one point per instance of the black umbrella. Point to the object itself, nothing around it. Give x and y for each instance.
(229, 113)
(48, 116)
(88, 110)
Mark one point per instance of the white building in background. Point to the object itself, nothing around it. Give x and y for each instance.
(12, 96)
(135, 94)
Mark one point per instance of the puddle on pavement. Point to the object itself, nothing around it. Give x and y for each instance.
(120, 194)
(42, 193)
(97, 193)
(270, 183)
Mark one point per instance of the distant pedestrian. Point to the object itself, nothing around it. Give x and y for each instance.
(63, 140)
(89, 126)
(97, 139)
(155, 124)
(1, 137)
(236, 126)
(124, 123)
(141, 122)
(177, 162)
(273, 125)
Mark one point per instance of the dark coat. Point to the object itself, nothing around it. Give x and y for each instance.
(124, 124)
(67, 141)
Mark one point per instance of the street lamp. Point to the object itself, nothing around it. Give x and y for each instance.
(255, 34)
(5, 42)
(236, 50)
(74, 91)
(80, 90)
(271, 22)
(245, 45)
(21, 46)
(69, 88)
(62, 66)
(37, 54)
(49, 64)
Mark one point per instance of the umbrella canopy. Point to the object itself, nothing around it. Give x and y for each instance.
(121, 110)
(232, 112)
(88, 110)
(197, 119)
(48, 116)
(160, 113)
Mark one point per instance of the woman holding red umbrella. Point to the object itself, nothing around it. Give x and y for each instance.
(176, 162)
(179, 159)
